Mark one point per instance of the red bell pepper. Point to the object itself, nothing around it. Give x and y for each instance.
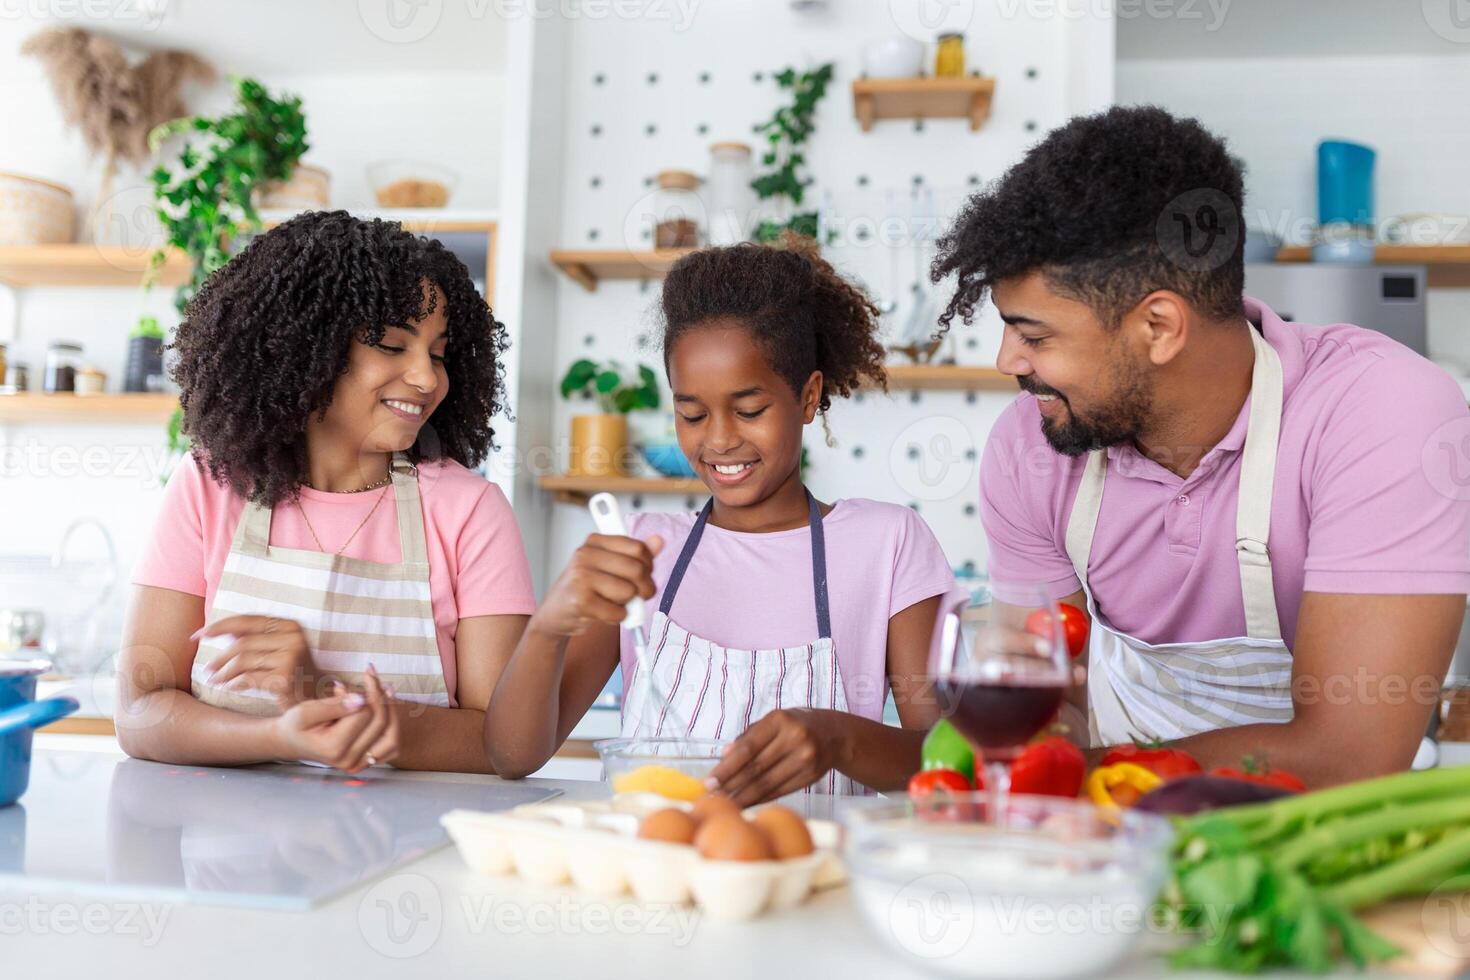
(1164, 762)
(1051, 766)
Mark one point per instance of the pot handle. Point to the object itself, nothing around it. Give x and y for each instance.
(35, 714)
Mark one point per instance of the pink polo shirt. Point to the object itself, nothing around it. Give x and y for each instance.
(1372, 495)
(477, 564)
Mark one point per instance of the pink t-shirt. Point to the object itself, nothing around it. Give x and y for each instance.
(754, 591)
(477, 564)
(1367, 497)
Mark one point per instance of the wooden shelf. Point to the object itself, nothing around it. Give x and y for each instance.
(1448, 265)
(69, 409)
(588, 268)
(579, 489)
(922, 98)
(84, 265)
(947, 377)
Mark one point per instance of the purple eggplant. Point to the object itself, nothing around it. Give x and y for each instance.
(1192, 794)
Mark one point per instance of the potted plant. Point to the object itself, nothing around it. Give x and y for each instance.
(600, 441)
(145, 354)
(786, 132)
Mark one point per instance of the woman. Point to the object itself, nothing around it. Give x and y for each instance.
(328, 579)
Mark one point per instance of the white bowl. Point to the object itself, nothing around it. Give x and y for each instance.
(1058, 889)
(894, 57)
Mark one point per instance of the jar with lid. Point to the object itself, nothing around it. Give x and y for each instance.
(17, 379)
(62, 360)
(731, 200)
(677, 210)
(949, 56)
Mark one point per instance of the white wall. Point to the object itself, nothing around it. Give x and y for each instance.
(1047, 68)
(372, 111)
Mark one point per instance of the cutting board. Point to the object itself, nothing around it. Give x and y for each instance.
(1433, 932)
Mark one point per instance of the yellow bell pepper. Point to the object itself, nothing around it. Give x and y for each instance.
(1120, 784)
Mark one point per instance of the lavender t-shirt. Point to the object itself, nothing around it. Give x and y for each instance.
(1372, 495)
(754, 591)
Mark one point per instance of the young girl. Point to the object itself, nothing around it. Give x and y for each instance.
(779, 619)
(358, 581)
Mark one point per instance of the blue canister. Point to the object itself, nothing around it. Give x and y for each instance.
(20, 715)
(1344, 183)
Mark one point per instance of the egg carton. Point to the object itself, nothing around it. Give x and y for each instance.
(594, 845)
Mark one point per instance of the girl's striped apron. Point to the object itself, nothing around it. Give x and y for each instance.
(709, 691)
(352, 611)
(1173, 690)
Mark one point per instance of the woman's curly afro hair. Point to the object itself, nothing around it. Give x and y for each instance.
(262, 345)
(1103, 207)
(805, 316)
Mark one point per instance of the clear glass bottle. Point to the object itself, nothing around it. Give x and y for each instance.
(677, 210)
(730, 198)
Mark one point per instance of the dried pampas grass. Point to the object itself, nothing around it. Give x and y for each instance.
(114, 105)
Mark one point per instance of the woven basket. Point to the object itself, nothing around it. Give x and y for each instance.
(309, 188)
(34, 212)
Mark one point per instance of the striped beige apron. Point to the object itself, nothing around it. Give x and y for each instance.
(353, 612)
(1173, 690)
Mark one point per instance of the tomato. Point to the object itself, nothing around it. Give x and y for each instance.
(1051, 766)
(1074, 626)
(938, 783)
(1164, 762)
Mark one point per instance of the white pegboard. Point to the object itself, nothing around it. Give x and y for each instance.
(643, 97)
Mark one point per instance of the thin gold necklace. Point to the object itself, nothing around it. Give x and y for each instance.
(359, 527)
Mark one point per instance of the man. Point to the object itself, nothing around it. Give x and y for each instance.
(1261, 518)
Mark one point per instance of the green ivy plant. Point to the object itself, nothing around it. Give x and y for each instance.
(615, 390)
(205, 201)
(786, 132)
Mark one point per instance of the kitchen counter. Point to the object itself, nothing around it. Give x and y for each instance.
(432, 915)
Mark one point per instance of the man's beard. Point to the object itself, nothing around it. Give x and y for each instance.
(1119, 421)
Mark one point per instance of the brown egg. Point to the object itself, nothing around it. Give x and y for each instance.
(785, 830)
(731, 838)
(673, 826)
(713, 805)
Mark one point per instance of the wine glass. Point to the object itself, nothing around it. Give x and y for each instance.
(1000, 669)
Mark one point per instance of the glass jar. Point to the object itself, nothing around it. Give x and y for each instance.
(62, 360)
(731, 200)
(949, 56)
(676, 210)
(17, 379)
(91, 381)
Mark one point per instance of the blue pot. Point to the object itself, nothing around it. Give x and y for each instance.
(668, 459)
(21, 714)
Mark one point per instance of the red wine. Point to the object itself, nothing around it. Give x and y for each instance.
(1003, 713)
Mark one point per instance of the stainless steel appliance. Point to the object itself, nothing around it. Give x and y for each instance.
(1386, 298)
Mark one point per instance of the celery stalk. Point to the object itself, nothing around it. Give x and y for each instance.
(1421, 872)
